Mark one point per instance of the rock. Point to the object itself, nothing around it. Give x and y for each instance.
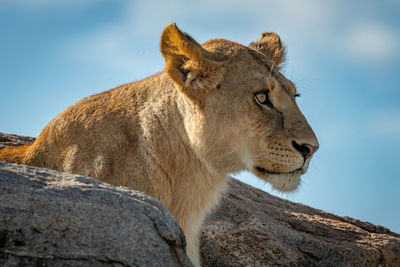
(49, 218)
(14, 140)
(252, 228)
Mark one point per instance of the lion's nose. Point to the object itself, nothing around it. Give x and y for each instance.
(305, 149)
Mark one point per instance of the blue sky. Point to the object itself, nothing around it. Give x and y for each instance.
(344, 57)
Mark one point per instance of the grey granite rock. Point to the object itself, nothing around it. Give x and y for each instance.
(253, 228)
(48, 218)
(14, 140)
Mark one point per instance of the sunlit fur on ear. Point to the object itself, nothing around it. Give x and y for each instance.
(188, 64)
(172, 40)
(177, 47)
(271, 46)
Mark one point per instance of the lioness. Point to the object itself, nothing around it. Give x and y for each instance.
(218, 108)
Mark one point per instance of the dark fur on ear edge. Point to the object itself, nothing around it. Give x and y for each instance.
(271, 46)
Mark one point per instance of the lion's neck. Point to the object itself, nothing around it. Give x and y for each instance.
(193, 187)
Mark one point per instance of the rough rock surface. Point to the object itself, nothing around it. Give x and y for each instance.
(252, 228)
(14, 140)
(48, 218)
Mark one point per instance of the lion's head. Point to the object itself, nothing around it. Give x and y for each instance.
(240, 111)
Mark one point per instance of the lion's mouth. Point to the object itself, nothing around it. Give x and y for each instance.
(264, 171)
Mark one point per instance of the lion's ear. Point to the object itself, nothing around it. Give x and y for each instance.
(271, 46)
(187, 63)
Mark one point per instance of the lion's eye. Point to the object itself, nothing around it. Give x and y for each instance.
(263, 99)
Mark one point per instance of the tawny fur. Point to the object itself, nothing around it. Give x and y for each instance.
(176, 135)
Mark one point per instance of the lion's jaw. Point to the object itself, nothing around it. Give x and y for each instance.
(280, 165)
(283, 182)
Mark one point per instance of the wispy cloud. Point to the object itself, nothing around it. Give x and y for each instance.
(116, 43)
(304, 26)
(371, 42)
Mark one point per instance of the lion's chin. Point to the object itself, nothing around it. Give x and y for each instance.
(284, 182)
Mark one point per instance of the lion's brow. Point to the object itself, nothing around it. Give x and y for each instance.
(261, 59)
(270, 68)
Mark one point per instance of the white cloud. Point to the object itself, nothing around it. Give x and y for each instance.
(371, 42)
(144, 20)
(284, 15)
(302, 14)
(304, 26)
